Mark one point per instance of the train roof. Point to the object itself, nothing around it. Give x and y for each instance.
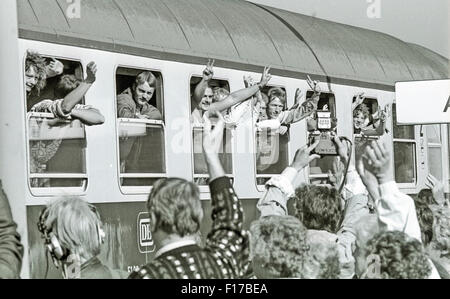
(238, 34)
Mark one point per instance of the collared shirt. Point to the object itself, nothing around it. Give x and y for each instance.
(174, 245)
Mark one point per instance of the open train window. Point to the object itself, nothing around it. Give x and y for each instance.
(272, 140)
(200, 169)
(434, 141)
(367, 118)
(404, 152)
(56, 146)
(141, 128)
(319, 168)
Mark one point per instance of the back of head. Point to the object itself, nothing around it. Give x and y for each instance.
(281, 247)
(442, 230)
(319, 207)
(77, 226)
(425, 197)
(65, 85)
(143, 78)
(398, 256)
(278, 247)
(426, 219)
(175, 208)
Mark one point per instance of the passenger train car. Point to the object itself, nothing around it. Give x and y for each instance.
(174, 39)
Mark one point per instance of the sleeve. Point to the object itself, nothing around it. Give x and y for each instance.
(11, 250)
(227, 237)
(273, 124)
(354, 185)
(279, 190)
(153, 113)
(397, 212)
(49, 106)
(124, 108)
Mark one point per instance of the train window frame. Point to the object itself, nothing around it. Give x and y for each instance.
(414, 142)
(267, 177)
(434, 145)
(84, 177)
(313, 178)
(232, 175)
(139, 190)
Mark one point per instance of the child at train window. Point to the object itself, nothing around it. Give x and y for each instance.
(134, 101)
(366, 123)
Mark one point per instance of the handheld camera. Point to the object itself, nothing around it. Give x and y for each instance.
(323, 126)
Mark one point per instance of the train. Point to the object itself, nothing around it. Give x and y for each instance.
(174, 39)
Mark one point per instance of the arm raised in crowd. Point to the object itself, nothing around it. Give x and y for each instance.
(243, 94)
(281, 187)
(11, 250)
(227, 237)
(396, 211)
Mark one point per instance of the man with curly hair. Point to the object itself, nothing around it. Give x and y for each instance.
(397, 256)
(281, 247)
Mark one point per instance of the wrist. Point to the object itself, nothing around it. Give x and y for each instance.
(385, 178)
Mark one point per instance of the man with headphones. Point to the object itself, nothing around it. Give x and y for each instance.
(73, 235)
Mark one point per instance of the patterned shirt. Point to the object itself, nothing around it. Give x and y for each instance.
(225, 255)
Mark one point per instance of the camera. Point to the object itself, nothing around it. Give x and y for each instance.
(323, 126)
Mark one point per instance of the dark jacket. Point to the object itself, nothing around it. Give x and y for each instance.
(11, 250)
(226, 250)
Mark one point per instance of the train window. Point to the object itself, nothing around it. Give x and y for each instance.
(200, 170)
(366, 118)
(57, 147)
(434, 150)
(404, 152)
(319, 168)
(141, 128)
(272, 155)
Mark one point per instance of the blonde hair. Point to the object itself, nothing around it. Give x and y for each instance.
(76, 225)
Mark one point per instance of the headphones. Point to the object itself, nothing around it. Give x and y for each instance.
(57, 252)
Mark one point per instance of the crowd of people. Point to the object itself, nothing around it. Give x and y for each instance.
(366, 229)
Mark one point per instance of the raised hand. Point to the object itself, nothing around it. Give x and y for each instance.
(377, 160)
(359, 99)
(314, 85)
(283, 130)
(212, 139)
(54, 68)
(208, 73)
(303, 156)
(342, 149)
(368, 178)
(437, 188)
(266, 76)
(91, 71)
(248, 81)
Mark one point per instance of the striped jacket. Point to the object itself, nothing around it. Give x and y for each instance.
(225, 254)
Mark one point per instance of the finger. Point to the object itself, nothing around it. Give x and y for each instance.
(313, 146)
(375, 147)
(429, 185)
(370, 154)
(267, 70)
(212, 63)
